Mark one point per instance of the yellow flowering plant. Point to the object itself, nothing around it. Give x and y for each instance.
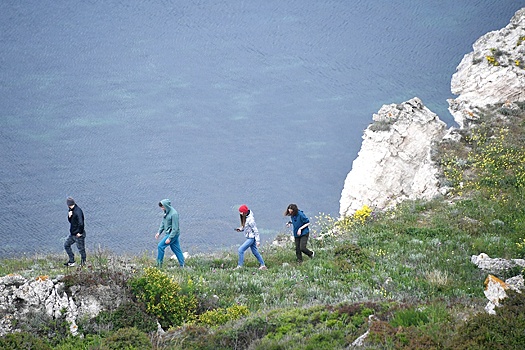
(163, 298)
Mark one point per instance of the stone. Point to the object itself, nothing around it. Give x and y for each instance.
(494, 291)
(495, 265)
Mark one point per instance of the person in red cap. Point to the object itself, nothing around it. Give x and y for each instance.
(251, 233)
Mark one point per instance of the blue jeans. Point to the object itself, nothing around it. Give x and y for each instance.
(175, 248)
(80, 241)
(250, 243)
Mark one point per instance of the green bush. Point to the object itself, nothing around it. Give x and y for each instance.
(384, 336)
(221, 316)
(23, 341)
(163, 298)
(349, 256)
(504, 330)
(242, 335)
(127, 315)
(88, 342)
(44, 326)
(127, 339)
(187, 337)
(356, 314)
(425, 232)
(409, 317)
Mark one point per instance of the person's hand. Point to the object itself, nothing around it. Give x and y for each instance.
(69, 214)
(258, 244)
(157, 235)
(288, 225)
(168, 241)
(299, 232)
(79, 234)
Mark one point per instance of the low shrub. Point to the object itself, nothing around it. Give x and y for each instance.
(127, 315)
(504, 330)
(221, 316)
(385, 336)
(349, 256)
(128, 339)
(163, 298)
(23, 341)
(44, 326)
(409, 317)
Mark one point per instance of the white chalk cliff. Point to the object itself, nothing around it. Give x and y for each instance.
(493, 73)
(394, 162)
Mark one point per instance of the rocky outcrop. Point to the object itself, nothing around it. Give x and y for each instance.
(394, 162)
(22, 299)
(496, 265)
(494, 73)
(495, 288)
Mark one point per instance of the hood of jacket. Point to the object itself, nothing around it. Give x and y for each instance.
(166, 203)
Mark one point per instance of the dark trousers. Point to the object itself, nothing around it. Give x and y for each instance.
(80, 241)
(300, 247)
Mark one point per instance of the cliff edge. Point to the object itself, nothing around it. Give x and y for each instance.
(394, 163)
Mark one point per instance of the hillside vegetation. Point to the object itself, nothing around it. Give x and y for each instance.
(401, 276)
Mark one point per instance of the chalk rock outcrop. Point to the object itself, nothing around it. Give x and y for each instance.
(493, 73)
(394, 162)
(495, 289)
(22, 299)
(495, 265)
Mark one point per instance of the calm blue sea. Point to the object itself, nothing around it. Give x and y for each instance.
(209, 103)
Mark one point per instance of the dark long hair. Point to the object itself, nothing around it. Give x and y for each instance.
(243, 216)
(294, 208)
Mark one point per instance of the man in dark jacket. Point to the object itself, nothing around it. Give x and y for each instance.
(77, 234)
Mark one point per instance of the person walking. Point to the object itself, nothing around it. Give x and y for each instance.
(77, 234)
(301, 231)
(170, 227)
(251, 233)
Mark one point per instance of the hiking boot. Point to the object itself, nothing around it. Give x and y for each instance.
(69, 264)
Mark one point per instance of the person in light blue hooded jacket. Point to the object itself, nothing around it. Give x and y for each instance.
(170, 227)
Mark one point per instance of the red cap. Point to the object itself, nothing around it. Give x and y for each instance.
(243, 209)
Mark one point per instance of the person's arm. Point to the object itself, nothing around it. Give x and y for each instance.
(80, 223)
(161, 229)
(304, 220)
(255, 231)
(174, 226)
(300, 229)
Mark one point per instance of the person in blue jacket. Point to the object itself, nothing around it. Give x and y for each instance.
(301, 231)
(170, 227)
